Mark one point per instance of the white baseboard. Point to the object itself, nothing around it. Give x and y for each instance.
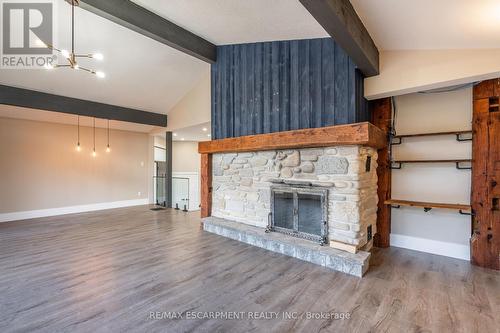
(31, 214)
(454, 250)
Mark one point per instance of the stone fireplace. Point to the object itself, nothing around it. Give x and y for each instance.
(243, 185)
(315, 199)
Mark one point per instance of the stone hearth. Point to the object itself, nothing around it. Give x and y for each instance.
(338, 260)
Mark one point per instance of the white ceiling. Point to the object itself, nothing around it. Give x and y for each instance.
(431, 24)
(239, 21)
(199, 132)
(141, 73)
(7, 111)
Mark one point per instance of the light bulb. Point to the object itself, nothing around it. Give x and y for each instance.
(182, 139)
(94, 154)
(204, 129)
(108, 149)
(65, 53)
(209, 135)
(76, 66)
(97, 56)
(100, 75)
(175, 134)
(78, 147)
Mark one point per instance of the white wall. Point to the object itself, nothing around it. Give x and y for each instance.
(409, 71)
(42, 173)
(442, 232)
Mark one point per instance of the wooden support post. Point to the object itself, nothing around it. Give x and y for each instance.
(381, 111)
(206, 185)
(485, 194)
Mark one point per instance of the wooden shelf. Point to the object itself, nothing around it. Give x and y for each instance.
(398, 139)
(428, 205)
(432, 134)
(433, 161)
(397, 164)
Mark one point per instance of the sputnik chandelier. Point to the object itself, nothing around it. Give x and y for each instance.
(72, 57)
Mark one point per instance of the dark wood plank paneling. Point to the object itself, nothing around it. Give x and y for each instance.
(365, 134)
(206, 185)
(382, 118)
(278, 86)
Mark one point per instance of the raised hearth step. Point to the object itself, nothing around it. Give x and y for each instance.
(337, 260)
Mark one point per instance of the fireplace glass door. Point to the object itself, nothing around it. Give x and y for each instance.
(299, 212)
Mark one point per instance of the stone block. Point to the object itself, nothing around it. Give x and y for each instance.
(236, 166)
(292, 160)
(332, 165)
(235, 206)
(286, 172)
(246, 172)
(258, 161)
(270, 154)
(307, 167)
(246, 181)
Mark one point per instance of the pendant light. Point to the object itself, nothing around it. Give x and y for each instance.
(78, 148)
(108, 149)
(94, 154)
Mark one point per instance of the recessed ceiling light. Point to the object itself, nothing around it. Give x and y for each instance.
(182, 139)
(204, 129)
(175, 134)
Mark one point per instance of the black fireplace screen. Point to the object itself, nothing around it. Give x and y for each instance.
(299, 212)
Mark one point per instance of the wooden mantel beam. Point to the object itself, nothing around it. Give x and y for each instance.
(340, 21)
(364, 134)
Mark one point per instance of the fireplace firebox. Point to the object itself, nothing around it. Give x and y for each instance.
(299, 211)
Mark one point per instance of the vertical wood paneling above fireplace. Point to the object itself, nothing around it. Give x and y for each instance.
(285, 85)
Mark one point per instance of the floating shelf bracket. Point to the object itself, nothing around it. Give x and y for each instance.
(460, 136)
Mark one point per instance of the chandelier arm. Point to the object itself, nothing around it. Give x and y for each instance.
(87, 70)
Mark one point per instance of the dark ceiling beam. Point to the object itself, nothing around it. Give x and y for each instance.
(141, 20)
(49, 102)
(340, 21)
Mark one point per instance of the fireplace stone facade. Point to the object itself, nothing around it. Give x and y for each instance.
(242, 187)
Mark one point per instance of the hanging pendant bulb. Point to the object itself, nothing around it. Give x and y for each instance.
(94, 154)
(78, 147)
(108, 149)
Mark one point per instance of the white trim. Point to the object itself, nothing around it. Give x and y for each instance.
(194, 188)
(31, 214)
(454, 250)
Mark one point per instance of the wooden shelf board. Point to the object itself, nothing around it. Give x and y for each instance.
(363, 134)
(408, 203)
(432, 134)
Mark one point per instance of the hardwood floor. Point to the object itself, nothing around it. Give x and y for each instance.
(106, 271)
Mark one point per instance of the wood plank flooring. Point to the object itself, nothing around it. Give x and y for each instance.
(106, 271)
